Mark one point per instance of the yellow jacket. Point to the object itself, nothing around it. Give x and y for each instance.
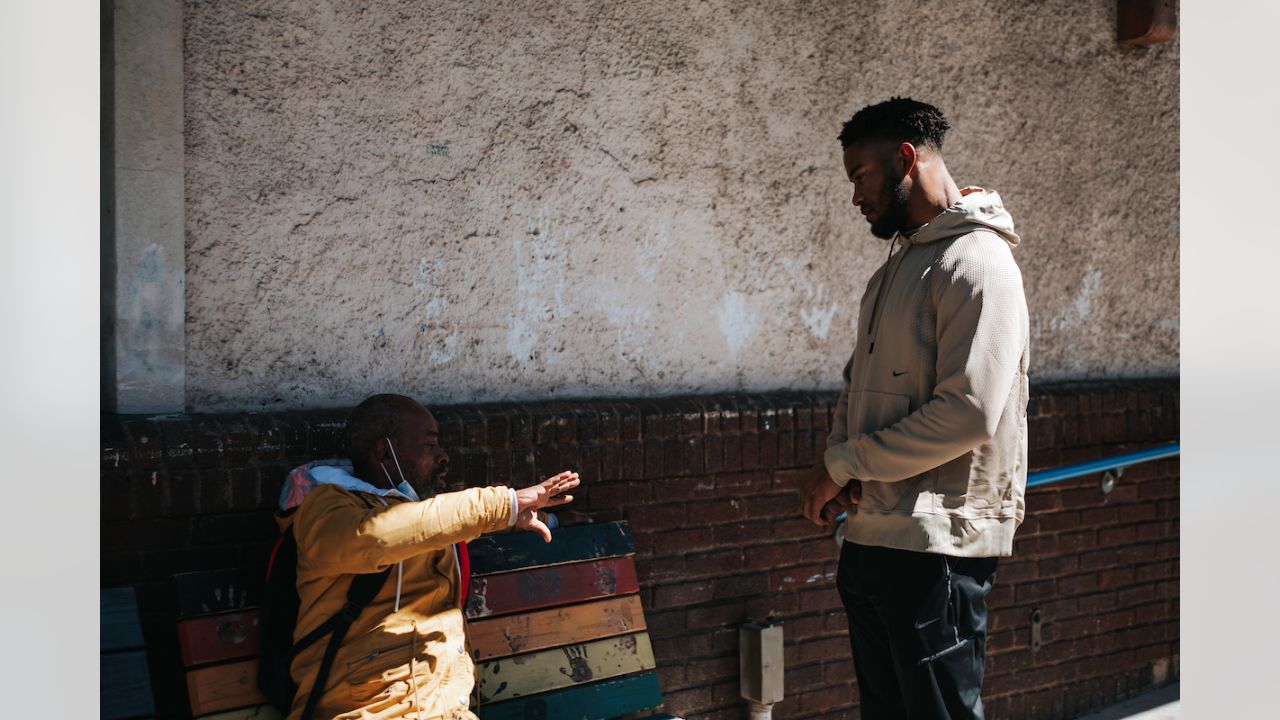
(411, 663)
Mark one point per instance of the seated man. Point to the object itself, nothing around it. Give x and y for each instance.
(406, 654)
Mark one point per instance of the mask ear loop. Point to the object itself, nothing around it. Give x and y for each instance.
(400, 565)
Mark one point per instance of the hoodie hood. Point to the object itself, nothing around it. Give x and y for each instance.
(977, 209)
(335, 471)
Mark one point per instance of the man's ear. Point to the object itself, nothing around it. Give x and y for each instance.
(907, 156)
(381, 451)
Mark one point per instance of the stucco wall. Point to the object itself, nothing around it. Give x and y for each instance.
(585, 199)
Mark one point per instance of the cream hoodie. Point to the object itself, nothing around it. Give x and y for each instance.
(933, 416)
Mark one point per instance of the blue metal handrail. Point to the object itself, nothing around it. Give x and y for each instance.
(1116, 462)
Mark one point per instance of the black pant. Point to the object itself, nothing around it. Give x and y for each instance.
(918, 627)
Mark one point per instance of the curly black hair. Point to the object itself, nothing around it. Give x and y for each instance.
(898, 119)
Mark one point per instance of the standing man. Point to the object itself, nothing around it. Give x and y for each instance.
(928, 449)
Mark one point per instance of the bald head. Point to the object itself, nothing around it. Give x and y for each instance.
(387, 435)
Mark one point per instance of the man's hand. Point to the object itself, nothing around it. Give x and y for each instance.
(548, 493)
(818, 490)
(847, 498)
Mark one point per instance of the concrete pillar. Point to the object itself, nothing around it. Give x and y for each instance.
(144, 359)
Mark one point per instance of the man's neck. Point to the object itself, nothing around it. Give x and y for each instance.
(937, 193)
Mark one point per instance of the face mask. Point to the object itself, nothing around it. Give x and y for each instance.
(404, 485)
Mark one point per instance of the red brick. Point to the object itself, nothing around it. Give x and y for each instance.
(1098, 559)
(718, 615)
(736, 586)
(1058, 566)
(683, 594)
(1100, 517)
(1122, 535)
(773, 506)
(1031, 592)
(682, 647)
(1058, 521)
(670, 677)
(827, 700)
(838, 672)
(1158, 489)
(773, 604)
(620, 495)
(651, 570)
(768, 557)
(801, 678)
(819, 550)
(798, 528)
(820, 599)
(802, 577)
(1015, 571)
(1116, 577)
(741, 533)
(1155, 531)
(718, 562)
(754, 482)
(791, 479)
(709, 670)
(687, 702)
(1157, 571)
(679, 541)
(805, 628)
(1078, 584)
(1001, 595)
(1136, 595)
(1077, 541)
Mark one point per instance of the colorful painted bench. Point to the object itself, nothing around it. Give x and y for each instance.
(556, 628)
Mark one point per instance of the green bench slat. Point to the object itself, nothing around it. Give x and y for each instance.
(125, 691)
(596, 701)
(119, 628)
(520, 550)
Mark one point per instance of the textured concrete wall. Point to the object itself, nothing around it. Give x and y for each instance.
(583, 199)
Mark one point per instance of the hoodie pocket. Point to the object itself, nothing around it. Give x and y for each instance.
(870, 411)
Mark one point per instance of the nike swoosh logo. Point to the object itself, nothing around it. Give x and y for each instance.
(897, 373)
(926, 623)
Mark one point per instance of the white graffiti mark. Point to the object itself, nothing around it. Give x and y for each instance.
(737, 322)
(815, 312)
(817, 319)
(1082, 307)
(651, 250)
(540, 281)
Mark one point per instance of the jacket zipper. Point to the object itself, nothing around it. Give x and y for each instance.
(373, 655)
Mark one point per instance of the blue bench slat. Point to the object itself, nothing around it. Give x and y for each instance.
(119, 627)
(126, 686)
(597, 701)
(522, 550)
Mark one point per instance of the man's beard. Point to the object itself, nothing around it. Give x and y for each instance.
(894, 215)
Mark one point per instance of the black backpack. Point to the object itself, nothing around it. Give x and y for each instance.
(280, 616)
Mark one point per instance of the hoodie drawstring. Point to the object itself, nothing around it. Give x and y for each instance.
(872, 327)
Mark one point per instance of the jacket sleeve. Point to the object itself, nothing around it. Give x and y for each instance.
(981, 335)
(339, 534)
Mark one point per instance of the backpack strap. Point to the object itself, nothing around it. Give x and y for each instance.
(364, 588)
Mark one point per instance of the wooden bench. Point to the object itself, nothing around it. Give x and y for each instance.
(556, 629)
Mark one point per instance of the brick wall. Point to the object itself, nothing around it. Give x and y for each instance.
(708, 485)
